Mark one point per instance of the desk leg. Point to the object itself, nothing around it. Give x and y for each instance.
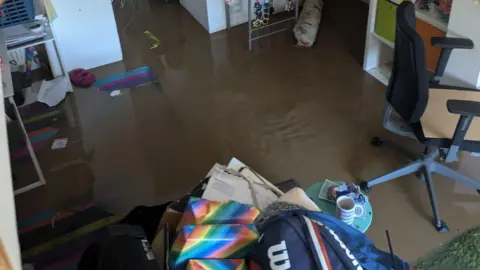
(55, 63)
(296, 11)
(41, 178)
(53, 59)
(227, 16)
(249, 9)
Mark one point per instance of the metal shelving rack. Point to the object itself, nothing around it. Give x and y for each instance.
(254, 32)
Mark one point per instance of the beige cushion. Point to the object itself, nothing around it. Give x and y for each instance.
(299, 197)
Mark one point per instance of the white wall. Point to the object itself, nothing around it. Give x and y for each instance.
(465, 22)
(8, 221)
(86, 33)
(198, 9)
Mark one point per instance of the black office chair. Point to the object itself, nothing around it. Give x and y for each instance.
(407, 97)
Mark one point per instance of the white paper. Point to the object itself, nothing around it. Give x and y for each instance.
(240, 167)
(54, 91)
(115, 93)
(31, 93)
(59, 143)
(323, 194)
(214, 168)
(230, 184)
(237, 187)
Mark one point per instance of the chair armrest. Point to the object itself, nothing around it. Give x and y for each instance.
(435, 85)
(464, 107)
(452, 43)
(467, 110)
(447, 44)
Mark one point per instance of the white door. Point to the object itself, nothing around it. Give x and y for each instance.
(86, 33)
(8, 223)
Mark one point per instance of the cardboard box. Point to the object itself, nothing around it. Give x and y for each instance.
(161, 247)
(165, 232)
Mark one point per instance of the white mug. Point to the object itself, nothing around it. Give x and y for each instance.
(347, 210)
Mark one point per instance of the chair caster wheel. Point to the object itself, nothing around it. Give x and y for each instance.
(420, 176)
(442, 228)
(376, 141)
(365, 187)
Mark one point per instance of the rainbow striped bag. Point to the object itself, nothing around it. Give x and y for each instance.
(206, 212)
(211, 242)
(217, 264)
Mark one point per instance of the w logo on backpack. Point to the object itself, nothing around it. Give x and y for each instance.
(278, 257)
(307, 240)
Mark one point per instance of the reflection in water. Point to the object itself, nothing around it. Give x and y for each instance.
(70, 179)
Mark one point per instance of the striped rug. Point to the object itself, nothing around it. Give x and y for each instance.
(129, 79)
(56, 240)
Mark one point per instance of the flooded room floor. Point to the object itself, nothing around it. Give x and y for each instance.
(306, 114)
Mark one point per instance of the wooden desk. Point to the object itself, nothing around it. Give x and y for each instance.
(437, 122)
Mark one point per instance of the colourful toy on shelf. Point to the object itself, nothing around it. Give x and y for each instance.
(336, 191)
(289, 5)
(262, 12)
(203, 211)
(217, 264)
(257, 7)
(31, 52)
(211, 242)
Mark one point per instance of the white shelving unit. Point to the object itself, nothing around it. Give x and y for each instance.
(215, 15)
(432, 17)
(382, 72)
(463, 68)
(379, 51)
(384, 41)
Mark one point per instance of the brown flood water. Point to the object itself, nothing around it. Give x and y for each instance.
(295, 113)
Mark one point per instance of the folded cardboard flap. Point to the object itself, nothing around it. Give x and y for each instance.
(161, 247)
(299, 197)
(165, 232)
(171, 218)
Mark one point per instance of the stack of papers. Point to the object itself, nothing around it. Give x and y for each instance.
(233, 183)
(323, 194)
(23, 33)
